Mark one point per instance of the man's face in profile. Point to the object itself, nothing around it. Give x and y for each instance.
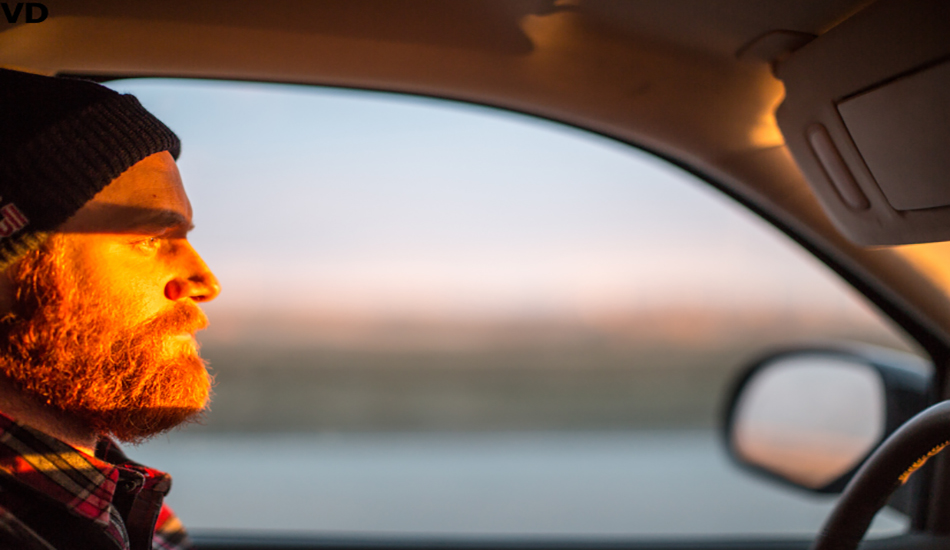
(103, 317)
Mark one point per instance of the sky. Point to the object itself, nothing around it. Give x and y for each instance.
(327, 200)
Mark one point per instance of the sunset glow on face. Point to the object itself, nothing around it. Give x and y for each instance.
(104, 316)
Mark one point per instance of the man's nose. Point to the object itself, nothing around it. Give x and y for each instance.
(196, 280)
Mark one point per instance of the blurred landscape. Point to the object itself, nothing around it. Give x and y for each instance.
(549, 425)
(669, 369)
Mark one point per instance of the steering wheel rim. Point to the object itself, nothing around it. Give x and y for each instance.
(899, 456)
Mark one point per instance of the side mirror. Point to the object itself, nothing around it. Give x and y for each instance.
(810, 417)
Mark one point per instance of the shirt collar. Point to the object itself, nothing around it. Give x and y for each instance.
(84, 484)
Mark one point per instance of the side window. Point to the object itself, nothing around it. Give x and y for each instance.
(439, 318)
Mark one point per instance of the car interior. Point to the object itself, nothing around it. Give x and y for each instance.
(826, 120)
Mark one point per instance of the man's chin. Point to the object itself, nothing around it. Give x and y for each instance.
(177, 394)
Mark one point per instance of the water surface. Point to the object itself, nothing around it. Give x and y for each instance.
(554, 483)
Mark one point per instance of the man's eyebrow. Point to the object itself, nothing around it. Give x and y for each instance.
(161, 220)
(119, 218)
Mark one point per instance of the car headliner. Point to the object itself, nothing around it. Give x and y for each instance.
(672, 76)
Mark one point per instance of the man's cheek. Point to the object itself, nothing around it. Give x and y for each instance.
(129, 283)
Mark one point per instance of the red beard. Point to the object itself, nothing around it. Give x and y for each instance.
(70, 351)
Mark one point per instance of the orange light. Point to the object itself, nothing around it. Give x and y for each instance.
(932, 259)
(765, 132)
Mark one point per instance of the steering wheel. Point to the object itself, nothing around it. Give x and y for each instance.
(899, 456)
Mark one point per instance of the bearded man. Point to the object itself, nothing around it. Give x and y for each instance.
(98, 310)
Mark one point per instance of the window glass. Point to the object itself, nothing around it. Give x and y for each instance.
(442, 318)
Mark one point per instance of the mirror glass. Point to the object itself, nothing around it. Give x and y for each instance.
(809, 418)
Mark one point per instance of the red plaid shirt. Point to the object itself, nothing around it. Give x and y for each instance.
(53, 496)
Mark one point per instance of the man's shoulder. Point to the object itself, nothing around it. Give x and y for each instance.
(30, 520)
(14, 534)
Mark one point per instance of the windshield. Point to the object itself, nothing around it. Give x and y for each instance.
(439, 318)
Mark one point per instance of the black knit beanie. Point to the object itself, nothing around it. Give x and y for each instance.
(61, 141)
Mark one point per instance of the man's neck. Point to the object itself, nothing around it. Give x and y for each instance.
(49, 421)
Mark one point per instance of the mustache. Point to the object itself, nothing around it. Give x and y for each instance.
(183, 317)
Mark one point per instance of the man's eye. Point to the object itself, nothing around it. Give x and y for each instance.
(149, 244)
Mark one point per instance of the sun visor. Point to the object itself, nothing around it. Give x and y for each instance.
(867, 117)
